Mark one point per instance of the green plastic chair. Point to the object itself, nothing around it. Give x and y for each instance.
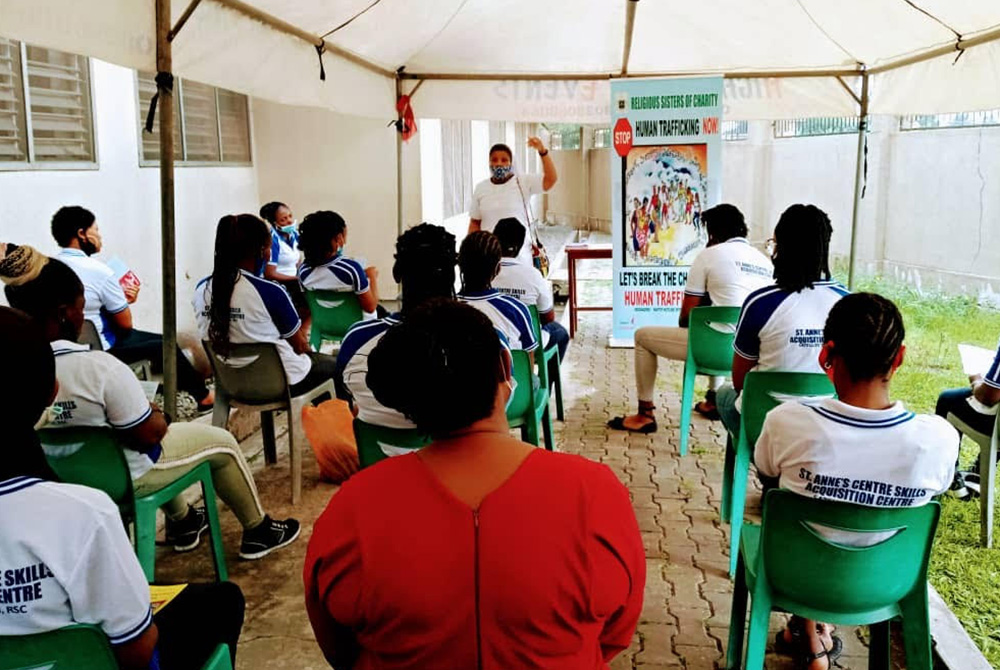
(785, 564)
(710, 352)
(762, 392)
(333, 314)
(988, 448)
(93, 457)
(373, 441)
(78, 647)
(530, 405)
(548, 363)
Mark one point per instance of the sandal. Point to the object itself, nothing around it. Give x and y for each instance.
(805, 658)
(709, 411)
(618, 423)
(796, 629)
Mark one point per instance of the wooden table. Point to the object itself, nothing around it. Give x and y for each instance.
(573, 254)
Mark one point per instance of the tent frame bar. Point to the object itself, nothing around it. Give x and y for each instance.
(630, 7)
(183, 19)
(859, 179)
(956, 47)
(590, 76)
(280, 25)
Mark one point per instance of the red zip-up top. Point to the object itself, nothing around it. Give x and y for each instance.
(547, 573)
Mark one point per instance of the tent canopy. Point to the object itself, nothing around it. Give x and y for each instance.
(479, 56)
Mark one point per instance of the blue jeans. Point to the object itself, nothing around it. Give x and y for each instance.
(725, 402)
(558, 336)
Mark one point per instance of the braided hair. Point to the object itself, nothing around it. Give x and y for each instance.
(317, 233)
(478, 259)
(269, 212)
(238, 238)
(802, 247)
(424, 265)
(724, 222)
(866, 331)
(442, 346)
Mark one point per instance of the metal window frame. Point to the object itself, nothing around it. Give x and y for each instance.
(970, 126)
(32, 165)
(845, 131)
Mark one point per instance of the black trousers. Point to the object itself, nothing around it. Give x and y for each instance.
(324, 367)
(136, 345)
(198, 620)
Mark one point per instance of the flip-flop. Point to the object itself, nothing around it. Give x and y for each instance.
(618, 423)
(710, 414)
(805, 658)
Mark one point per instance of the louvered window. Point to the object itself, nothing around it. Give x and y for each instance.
(211, 125)
(46, 112)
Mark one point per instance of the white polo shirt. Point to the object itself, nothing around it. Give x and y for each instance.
(511, 199)
(728, 272)
(96, 390)
(352, 366)
(992, 376)
(509, 316)
(283, 252)
(339, 274)
(65, 559)
(783, 330)
(260, 311)
(524, 282)
(101, 290)
(878, 458)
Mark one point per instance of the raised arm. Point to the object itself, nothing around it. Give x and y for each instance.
(549, 176)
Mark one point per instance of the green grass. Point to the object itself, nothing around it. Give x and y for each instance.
(964, 574)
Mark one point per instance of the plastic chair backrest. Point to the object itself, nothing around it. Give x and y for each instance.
(523, 402)
(251, 373)
(90, 336)
(805, 567)
(765, 390)
(536, 327)
(372, 441)
(712, 347)
(333, 312)
(90, 457)
(72, 648)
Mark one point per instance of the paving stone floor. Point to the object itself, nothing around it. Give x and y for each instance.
(686, 613)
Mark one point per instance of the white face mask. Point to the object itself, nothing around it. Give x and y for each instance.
(512, 384)
(49, 417)
(510, 381)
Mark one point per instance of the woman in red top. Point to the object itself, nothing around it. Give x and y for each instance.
(478, 551)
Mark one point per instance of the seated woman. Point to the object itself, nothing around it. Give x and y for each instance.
(781, 325)
(473, 513)
(479, 260)
(96, 389)
(283, 263)
(322, 237)
(973, 412)
(69, 541)
(235, 305)
(862, 434)
(425, 268)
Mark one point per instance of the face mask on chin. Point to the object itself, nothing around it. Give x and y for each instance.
(501, 172)
(88, 247)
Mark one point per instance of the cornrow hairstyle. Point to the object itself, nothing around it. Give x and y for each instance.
(442, 346)
(510, 233)
(500, 146)
(866, 331)
(424, 265)
(478, 259)
(29, 369)
(238, 238)
(68, 220)
(802, 248)
(316, 234)
(724, 222)
(53, 288)
(269, 212)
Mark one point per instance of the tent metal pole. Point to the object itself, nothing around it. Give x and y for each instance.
(591, 76)
(859, 177)
(164, 63)
(183, 19)
(399, 165)
(953, 48)
(630, 7)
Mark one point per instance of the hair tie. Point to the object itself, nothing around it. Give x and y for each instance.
(22, 265)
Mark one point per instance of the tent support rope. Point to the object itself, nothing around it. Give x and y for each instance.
(860, 177)
(164, 64)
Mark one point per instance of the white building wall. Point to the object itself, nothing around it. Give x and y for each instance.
(126, 200)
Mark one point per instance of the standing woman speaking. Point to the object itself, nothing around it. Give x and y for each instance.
(506, 194)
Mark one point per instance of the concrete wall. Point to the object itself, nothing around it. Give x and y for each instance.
(126, 200)
(314, 159)
(929, 214)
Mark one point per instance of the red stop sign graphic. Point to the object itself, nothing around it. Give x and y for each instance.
(622, 137)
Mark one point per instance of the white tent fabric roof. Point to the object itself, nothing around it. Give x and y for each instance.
(569, 38)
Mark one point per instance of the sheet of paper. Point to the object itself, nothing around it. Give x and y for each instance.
(150, 389)
(975, 360)
(160, 596)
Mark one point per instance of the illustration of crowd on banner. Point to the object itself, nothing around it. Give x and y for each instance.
(666, 133)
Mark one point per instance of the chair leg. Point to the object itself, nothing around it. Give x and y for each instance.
(556, 374)
(917, 630)
(737, 619)
(687, 398)
(760, 615)
(727, 479)
(220, 413)
(878, 649)
(741, 470)
(531, 425)
(547, 429)
(987, 488)
(145, 539)
(214, 529)
(295, 457)
(267, 433)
